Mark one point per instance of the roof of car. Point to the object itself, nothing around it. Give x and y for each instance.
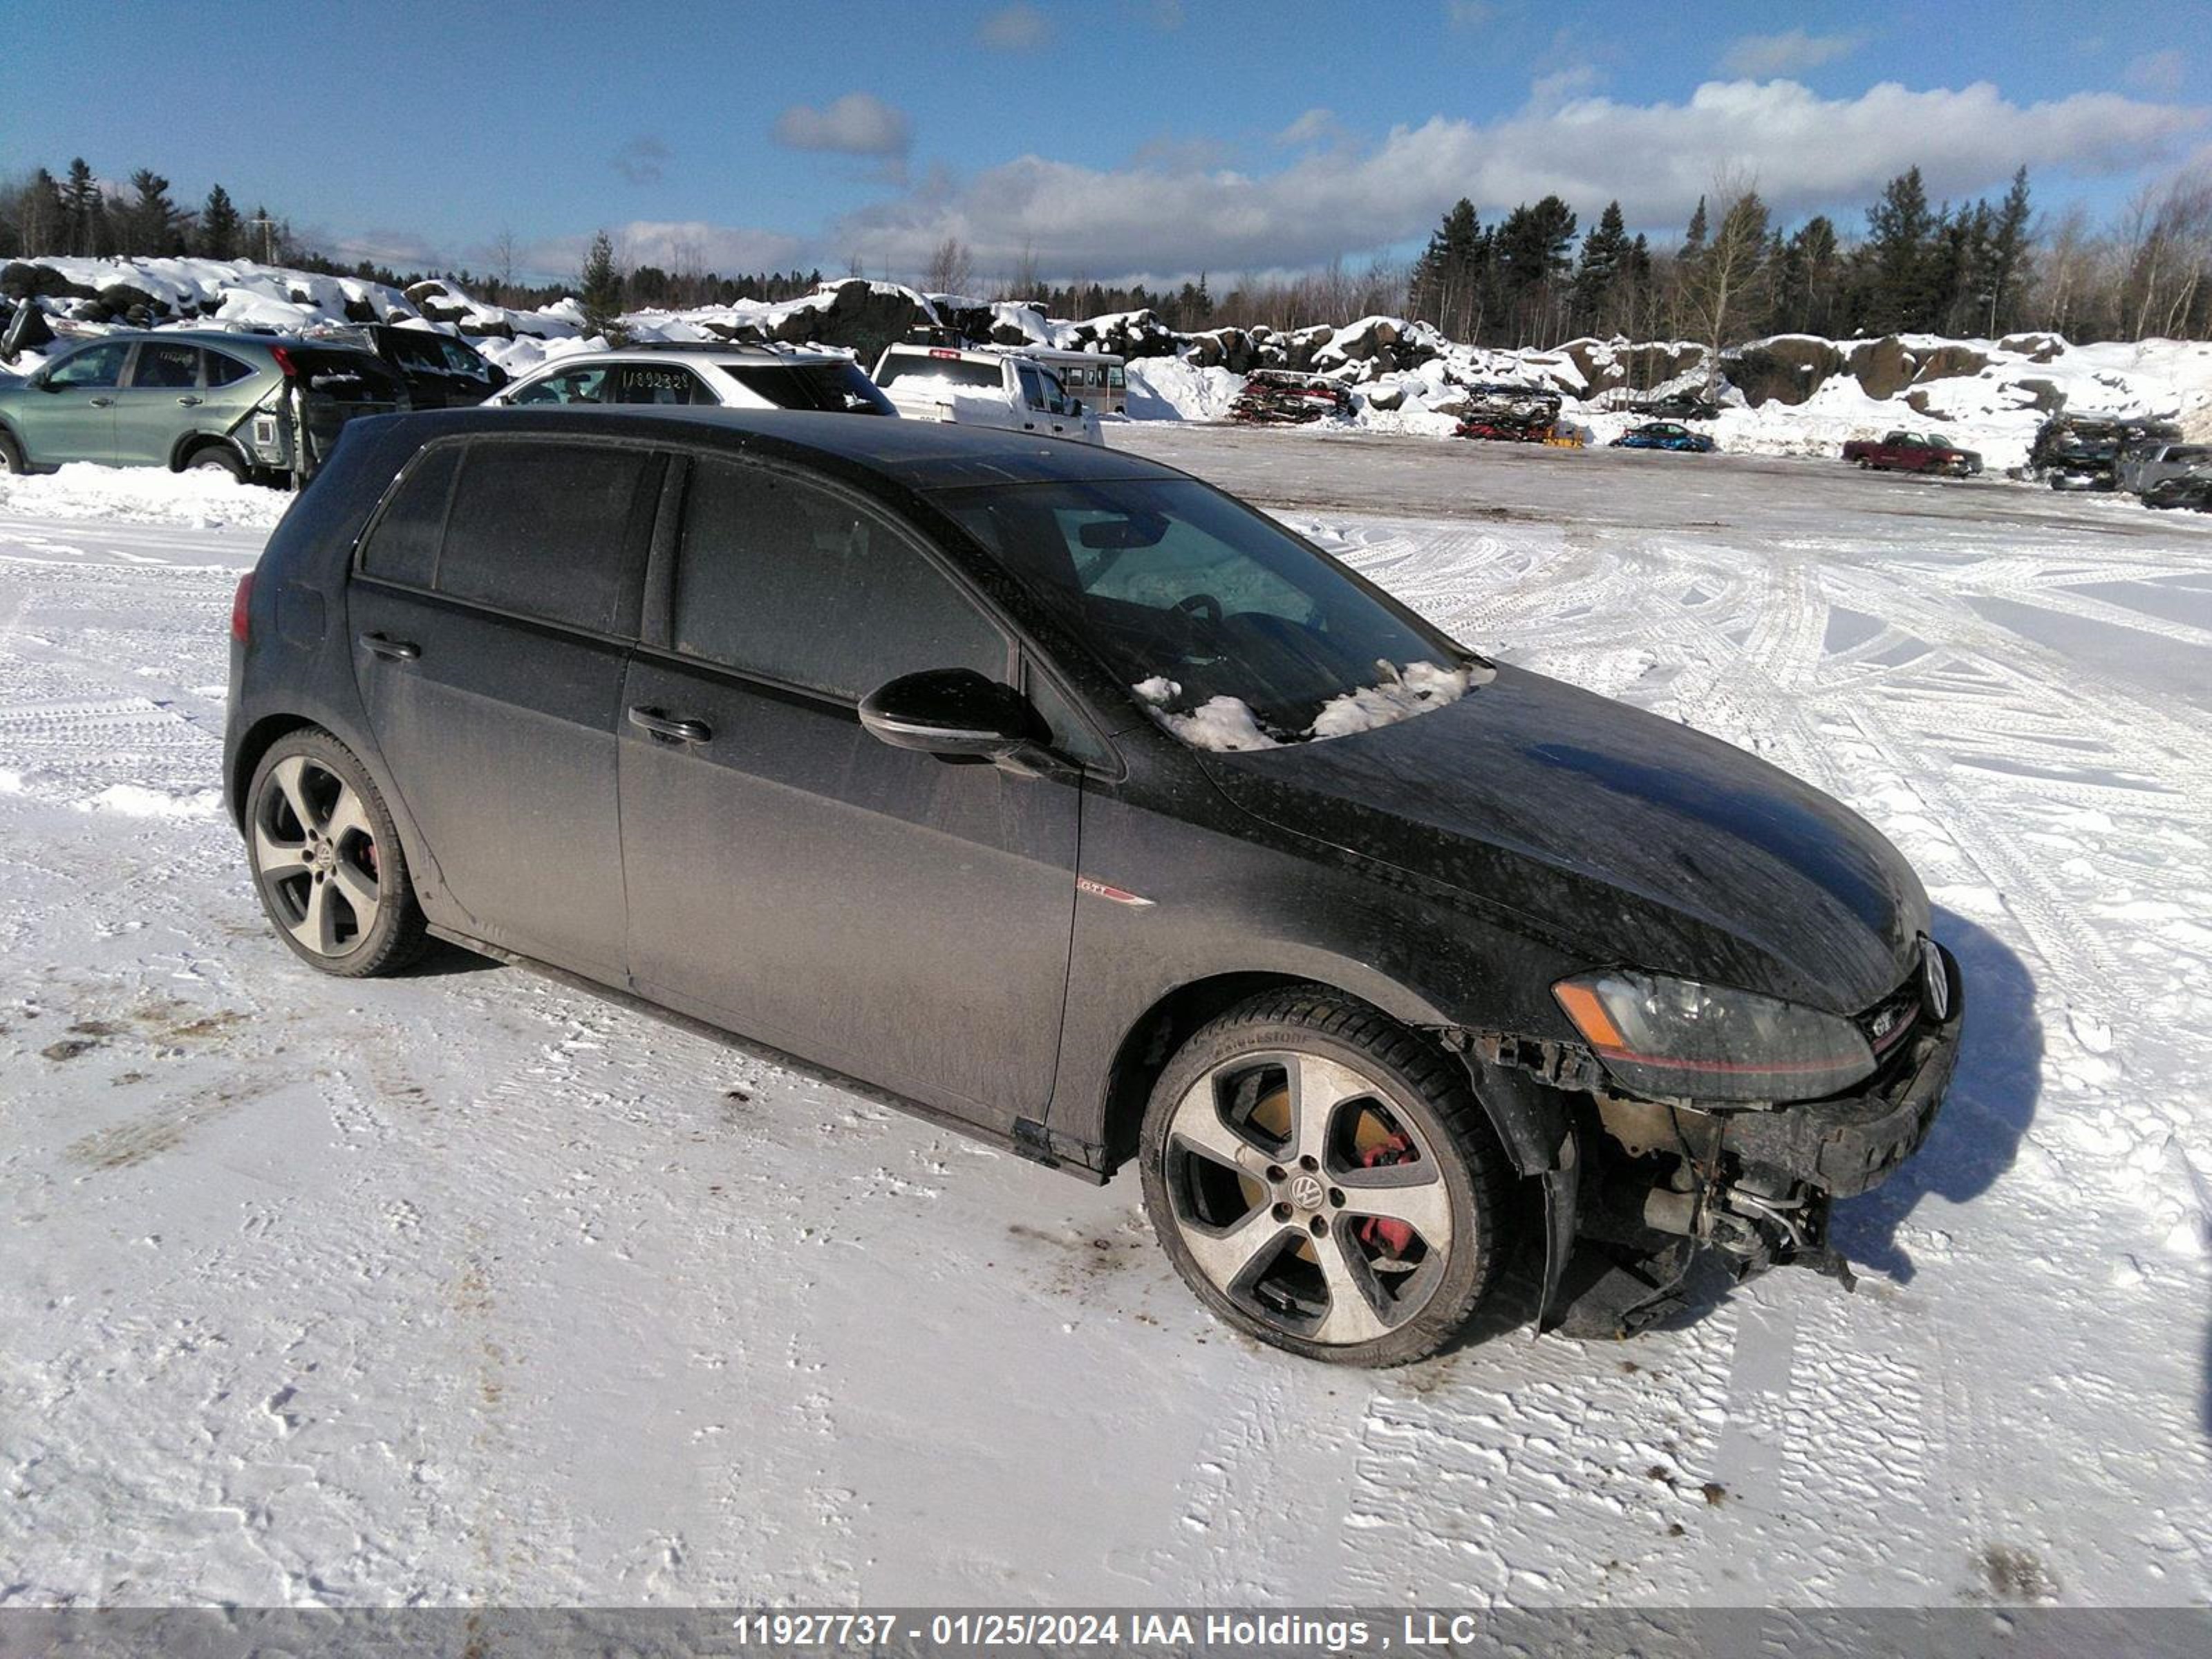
(921, 455)
(710, 350)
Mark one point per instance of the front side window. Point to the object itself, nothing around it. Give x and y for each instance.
(575, 386)
(1194, 596)
(99, 365)
(167, 367)
(1032, 385)
(462, 360)
(545, 530)
(781, 578)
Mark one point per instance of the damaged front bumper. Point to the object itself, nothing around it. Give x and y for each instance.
(1634, 1189)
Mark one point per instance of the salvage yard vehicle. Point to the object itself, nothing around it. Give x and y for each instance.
(1912, 452)
(1505, 411)
(984, 385)
(2082, 451)
(678, 376)
(1664, 435)
(259, 407)
(2189, 490)
(442, 370)
(1283, 396)
(2140, 468)
(1082, 806)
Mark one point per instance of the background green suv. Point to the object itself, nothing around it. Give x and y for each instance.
(254, 405)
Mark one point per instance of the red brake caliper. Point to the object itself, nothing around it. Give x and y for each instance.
(1378, 1232)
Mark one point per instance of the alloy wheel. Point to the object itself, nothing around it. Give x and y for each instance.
(314, 854)
(1306, 1198)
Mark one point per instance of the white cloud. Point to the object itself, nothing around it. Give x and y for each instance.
(1808, 152)
(1316, 126)
(1761, 57)
(1018, 28)
(859, 124)
(1468, 13)
(2158, 73)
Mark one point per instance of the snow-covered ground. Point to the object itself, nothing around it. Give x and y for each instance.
(470, 1286)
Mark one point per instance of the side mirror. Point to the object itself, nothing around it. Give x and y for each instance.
(953, 712)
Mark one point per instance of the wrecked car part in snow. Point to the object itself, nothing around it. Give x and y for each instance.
(853, 736)
(1507, 412)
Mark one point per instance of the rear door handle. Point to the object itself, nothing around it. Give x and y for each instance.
(101, 402)
(676, 730)
(190, 402)
(390, 649)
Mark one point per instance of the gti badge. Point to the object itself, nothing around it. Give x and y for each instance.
(1100, 889)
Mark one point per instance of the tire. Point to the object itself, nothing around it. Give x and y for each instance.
(327, 859)
(217, 457)
(11, 457)
(1283, 1223)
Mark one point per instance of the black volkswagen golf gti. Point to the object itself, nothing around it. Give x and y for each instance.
(1070, 799)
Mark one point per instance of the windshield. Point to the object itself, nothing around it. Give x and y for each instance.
(1231, 632)
(839, 387)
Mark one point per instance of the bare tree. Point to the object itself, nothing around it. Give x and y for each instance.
(1721, 284)
(505, 255)
(951, 268)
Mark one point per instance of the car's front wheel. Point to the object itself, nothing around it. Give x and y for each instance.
(327, 859)
(1324, 1180)
(11, 458)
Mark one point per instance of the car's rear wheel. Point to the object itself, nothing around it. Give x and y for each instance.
(327, 859)
(1324, 1180)
(217, 457)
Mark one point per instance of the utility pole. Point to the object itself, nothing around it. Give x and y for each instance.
(267, 227)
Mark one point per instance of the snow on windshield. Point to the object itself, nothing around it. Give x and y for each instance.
(1228, 724)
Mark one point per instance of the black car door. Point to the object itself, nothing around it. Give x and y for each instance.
(493, 616)
(896, 916)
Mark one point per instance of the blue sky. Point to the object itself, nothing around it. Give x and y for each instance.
(1112, 138)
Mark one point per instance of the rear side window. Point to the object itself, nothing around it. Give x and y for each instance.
(779, 578)
(223, 370)
(839, 388)
(404, 546)
(167, 367)
(545, 530)
(576, 386)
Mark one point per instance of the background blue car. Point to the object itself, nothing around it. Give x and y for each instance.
(1664, 435)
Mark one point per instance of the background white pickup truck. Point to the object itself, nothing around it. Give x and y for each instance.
(983, 387)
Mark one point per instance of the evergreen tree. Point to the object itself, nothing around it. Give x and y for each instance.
(1900, 234)
(1601, 269)
(1447, 278)
(601, 285)
(152, 223)
(1693, 240)
(1530, 254)
(84, 212)
(2011, 267)
(222, 232)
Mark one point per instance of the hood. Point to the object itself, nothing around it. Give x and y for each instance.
(1631, 839)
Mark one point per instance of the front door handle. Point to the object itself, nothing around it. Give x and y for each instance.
(189, 401)
(101, 402)
(392, 650)
(676, 730)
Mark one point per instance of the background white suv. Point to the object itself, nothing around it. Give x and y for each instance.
(731, 377)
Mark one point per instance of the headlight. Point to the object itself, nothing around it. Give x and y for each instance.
(1660, 1035)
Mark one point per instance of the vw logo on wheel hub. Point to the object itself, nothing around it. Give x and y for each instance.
(1306, 1193)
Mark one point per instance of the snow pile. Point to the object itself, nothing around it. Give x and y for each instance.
(1173, 389)
(192, 500)
(1227, 725)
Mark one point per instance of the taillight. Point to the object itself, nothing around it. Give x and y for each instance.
(284, 362)
(240, 603)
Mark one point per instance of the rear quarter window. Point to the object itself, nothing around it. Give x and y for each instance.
(544, 530)
(225, 370)
(403, 545)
